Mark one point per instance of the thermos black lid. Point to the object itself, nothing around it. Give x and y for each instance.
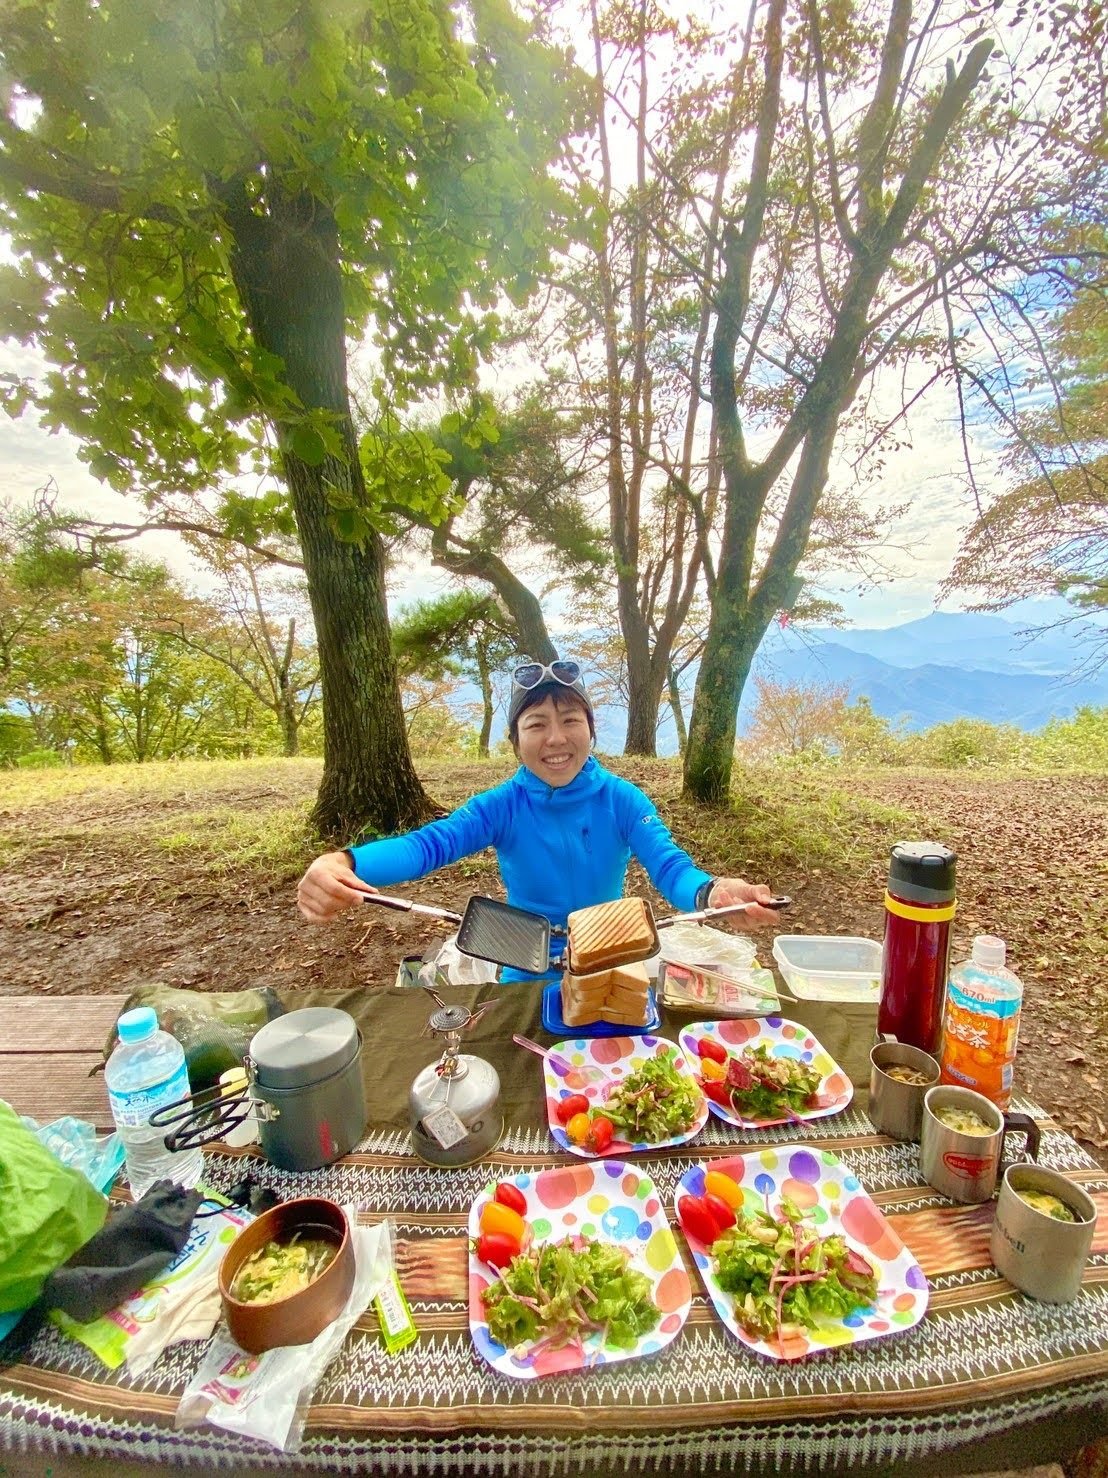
(922, 872)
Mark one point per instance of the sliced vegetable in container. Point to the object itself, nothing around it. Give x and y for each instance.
(757, 1072)
(640, 1093)
(810, 1263)
(601, 1278)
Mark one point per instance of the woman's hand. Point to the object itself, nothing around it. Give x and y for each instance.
(329, 886)
(726, 891)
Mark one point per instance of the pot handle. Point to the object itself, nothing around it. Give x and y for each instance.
(1026, 1123)
(203, 1118)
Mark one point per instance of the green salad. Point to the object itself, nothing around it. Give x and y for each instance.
(654, 1102)
(558, 1293)
(783, 1274)
(761, 1086)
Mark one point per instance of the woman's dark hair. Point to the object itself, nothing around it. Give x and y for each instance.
(563, 698)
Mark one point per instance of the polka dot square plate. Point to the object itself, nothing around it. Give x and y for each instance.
(593, 1066)
(607, 1202)
(783, 1038)
(832, 1200)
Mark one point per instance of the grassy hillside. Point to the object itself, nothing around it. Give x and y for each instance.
(185, 872)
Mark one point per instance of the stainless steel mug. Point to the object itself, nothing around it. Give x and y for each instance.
(962, 1166)
(896, 1108)
(1040, 1254)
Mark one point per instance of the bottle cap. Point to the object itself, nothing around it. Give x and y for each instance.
(922, 872)
(137, 1025)
(989, 951)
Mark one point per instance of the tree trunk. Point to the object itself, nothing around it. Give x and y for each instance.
(724, 668)
(285, 264)
(486, 699)
(290, 729)
(676, 709)
(645, 681)
(521, 604)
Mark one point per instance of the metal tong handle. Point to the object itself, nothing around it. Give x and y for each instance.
(405, 905)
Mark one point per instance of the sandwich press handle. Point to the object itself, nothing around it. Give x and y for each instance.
(405, 905)
(704, 914)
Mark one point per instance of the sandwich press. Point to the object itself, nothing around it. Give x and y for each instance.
(520, 939)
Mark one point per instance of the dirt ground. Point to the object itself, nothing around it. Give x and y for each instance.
(92, 901)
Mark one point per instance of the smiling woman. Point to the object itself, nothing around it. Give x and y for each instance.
(563, 827)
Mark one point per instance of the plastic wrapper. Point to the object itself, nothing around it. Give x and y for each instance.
(710, 971)
(76, 1144)
(462, 969)
(215, 1028)
(267, 1396)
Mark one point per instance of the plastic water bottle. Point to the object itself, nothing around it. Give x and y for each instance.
(982, 1021)
(147, 1072)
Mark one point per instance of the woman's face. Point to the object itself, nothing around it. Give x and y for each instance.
(553, 742)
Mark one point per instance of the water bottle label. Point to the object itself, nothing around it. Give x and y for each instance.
(132, 1110)
(970, 1000)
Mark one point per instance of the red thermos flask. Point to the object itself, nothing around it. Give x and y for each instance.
(919, 909)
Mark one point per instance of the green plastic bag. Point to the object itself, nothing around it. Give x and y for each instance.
(47, 1211)
(213, 1027)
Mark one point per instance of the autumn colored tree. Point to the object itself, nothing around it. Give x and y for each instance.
(796, 220)
(892, 184)
(207, 201)
(1047, 532)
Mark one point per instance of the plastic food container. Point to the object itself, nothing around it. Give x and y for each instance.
(829, 967)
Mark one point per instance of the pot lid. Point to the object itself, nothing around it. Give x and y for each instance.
(303, 1047)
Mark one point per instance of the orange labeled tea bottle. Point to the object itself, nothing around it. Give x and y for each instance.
(981, 1022)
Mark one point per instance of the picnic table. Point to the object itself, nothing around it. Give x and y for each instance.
(989, 1379)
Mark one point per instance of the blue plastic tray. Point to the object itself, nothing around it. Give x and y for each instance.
(552, 1018)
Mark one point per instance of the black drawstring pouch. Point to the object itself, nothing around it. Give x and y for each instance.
(135, 1243)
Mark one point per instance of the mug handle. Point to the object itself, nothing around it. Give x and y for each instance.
(1029, 1127)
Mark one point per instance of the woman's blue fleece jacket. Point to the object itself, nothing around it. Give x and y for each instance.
(558, 847)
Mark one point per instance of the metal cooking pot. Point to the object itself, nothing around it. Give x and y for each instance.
(304, 1088)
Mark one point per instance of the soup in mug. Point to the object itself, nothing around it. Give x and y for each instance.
(963, 1121)
(900, 1072)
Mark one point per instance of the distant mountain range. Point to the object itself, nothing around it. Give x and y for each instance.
(944, 666)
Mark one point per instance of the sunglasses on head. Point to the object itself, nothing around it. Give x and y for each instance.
(531, 674)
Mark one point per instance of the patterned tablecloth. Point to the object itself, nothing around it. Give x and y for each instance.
(989, 1378)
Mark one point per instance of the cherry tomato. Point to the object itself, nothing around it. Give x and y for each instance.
(498, 1218)
(722, 1214)
(497, 1249)
(577, 1130)
(714, 1071)
(717, 1092)
(569, 1107)
(716, 1183)
(696, 1220)
(711, 1050)
(601, 1133)
(511, 1196)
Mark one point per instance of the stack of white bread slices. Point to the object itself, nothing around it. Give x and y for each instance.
(605, 982)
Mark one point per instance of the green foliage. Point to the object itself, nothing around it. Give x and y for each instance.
(40, 759)
(966, 743)
(116, 663)
(17, 737)
(414, 142)
(1079, 743)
